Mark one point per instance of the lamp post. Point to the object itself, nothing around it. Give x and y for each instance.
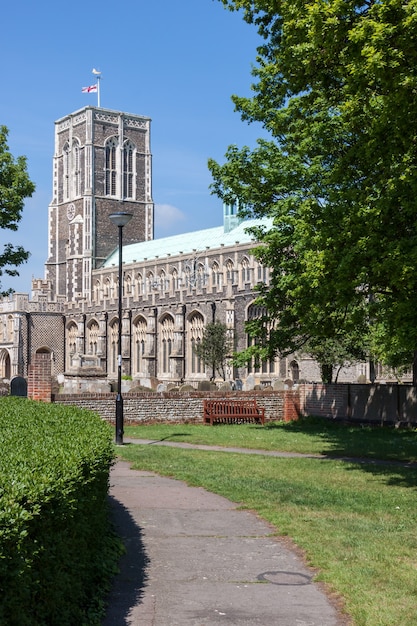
(120, 219)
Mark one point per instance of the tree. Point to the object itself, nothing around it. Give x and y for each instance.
(336, 93)
(15, 186)
(215, 348)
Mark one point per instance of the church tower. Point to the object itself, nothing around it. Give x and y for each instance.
(101, 165)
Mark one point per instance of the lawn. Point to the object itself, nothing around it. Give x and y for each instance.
(308, 436)
(356, 522)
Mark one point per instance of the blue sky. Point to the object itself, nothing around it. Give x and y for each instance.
(177, 62)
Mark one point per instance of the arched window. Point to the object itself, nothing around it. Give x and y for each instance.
(195, 334)
(295, 371)
(201, 276)
(167, 340)
(107, 288)
(5, 368)
(216, 276)
(72, 334)
(76, 168)
(245, 271)
(128, 285)
(176, 280)
(230, 270)
(141, 284)
(10, 329)
(92, 336)
(262, 274)
(163, 282)
(256, 365)
(96, 291)
(128, 169)
(139, 343)
(111, 167)
(114, 345)
(150, 281)
(66, 170)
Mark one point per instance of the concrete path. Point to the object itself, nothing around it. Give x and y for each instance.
(193, 558)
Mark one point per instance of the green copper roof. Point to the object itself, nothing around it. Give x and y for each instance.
(186, 243)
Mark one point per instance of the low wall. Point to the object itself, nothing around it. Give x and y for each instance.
(176, 407)
(376, 404)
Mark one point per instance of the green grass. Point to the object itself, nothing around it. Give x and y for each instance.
(355, 522)
(309, 436)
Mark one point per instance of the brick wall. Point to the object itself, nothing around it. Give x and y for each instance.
(324, 400)
(39, 377)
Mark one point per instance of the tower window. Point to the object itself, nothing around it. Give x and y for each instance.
(111, 167)
(128, 169)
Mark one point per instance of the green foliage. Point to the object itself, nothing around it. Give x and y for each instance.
(336, 94)
(15, 186)
(56, 549)
(215, 347)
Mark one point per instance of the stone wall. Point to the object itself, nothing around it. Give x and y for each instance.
(170, 407)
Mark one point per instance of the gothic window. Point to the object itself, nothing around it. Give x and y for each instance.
(167, 340)
(295, 371)
(151, 281)
(111, 167)
(176, 280)
(92, 336)
(256, 365)
(201, 275)
(245, 271)
(139, 343)
(66, 170)
(75, 168)
(195, 334)
(262, 273)
(141, 284)
(10, 333)
(128, 169)
(229, 270)
(114, 346)
(72, 333)
(163, 282)
(107, 288)
(5, 368)
(216, 276)
(128, 285)
(96, 291)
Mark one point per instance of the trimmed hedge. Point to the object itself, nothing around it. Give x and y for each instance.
(56, 546)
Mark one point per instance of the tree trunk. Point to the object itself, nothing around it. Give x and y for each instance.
(326, 372)
(415, 368)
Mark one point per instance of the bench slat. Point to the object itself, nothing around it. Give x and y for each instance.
(232, 411)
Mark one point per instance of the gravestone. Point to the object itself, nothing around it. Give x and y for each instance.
(238, 384)
(19, 387)
(250, 382)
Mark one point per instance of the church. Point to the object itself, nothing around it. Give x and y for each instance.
(172, 287)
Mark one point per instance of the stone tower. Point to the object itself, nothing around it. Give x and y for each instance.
(101, 165)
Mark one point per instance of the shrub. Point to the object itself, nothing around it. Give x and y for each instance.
(56, 548)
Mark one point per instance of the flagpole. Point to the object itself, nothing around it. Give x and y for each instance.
(97, 74)
(98, 91)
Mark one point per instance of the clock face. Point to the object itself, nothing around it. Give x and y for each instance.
(71, 211)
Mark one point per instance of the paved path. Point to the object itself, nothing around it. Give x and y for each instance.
(193, 558)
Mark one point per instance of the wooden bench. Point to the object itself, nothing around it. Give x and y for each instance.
(232, 412)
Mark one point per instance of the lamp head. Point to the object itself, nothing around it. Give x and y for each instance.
(121, 218)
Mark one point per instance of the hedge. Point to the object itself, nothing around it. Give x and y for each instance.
(56, 546)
